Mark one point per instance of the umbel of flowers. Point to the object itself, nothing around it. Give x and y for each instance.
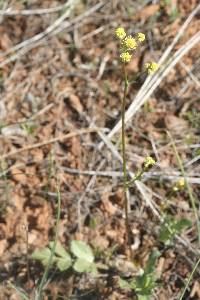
(129, 44)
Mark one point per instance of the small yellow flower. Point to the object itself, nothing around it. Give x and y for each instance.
(140, 37)
(181, 182)
(151, 67)
(130, 43)
(149, 162)
(125, 56)
(120, 33)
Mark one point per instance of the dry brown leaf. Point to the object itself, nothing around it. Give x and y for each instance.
(3, 245)
(100, 242)
(76, 103)
(147, 11)
(195, 290)
(176, 125)
(107, 205)
(18, 175)
(5, 42)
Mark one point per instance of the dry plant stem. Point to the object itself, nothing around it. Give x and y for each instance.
(125, 179)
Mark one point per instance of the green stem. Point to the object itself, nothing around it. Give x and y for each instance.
(189, 279)
(44, 277)
(123, 110)
(190, 193)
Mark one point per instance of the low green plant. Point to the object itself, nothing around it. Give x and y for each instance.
(29, 128)
(145, 283)
(81, 257)
(172, 227)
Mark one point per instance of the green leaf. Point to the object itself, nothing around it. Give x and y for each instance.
(150, 266)
(42, 255)
(124, 284)
(171, 227)
(143, 297)
(183, 223)
(144, 285)
(82, 250)
(60, 250)
(82, 265)
(64, 264)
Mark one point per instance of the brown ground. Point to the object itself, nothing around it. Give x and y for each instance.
(72, 81)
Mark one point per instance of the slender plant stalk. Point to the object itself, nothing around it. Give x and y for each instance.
(125, 178)
(27, 256)
(189, 279)
(190, 193)
(45, 275)
(20, 292)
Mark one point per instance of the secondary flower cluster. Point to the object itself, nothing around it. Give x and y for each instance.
(151, 67)
(128, 43)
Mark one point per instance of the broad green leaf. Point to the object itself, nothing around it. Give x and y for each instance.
(60, 250)
(183, 223)
(64, 264)
(82, 250)
(42, 255)
(171, 227)
(93, 269)
(150, 266)
(82, 265)
(143, 297)
(124, 284)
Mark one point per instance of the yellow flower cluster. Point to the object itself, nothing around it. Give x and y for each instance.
(151, 67)
(180, 185)
(125, 56)
(140, 37)
(149, 162)
(120, 33)
(128, 43)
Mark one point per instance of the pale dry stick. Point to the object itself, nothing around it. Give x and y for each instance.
(92, 33)
(190, 74)
(68, 25)
(81, 199)
(32, 118)
(173, 178)
(51, 141)
(88, 172)
(179, 34)
(189, 163)
(27, 12)
(70, 5)
(147, 175)
(79, 19)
